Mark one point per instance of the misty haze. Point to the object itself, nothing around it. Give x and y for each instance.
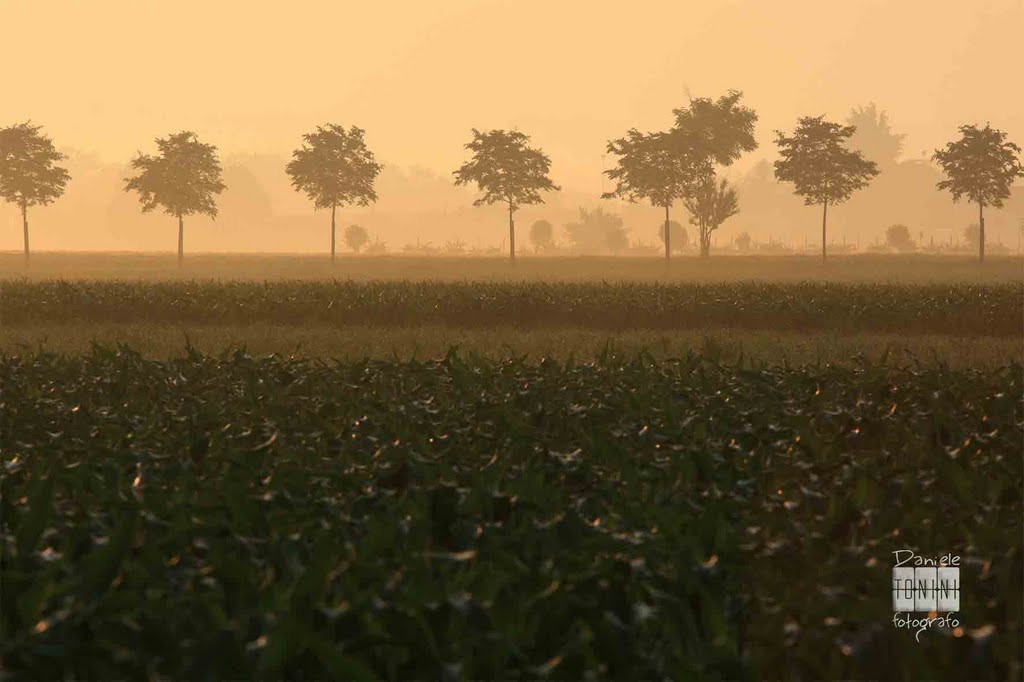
(487, 340)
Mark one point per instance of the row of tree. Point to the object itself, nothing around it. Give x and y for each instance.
(334, 168)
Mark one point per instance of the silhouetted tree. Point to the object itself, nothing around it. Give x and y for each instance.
(183, 179)
(715, 133)
(334, 168)
(710, 205)
(356, 237)
(657, 167)
(873, 137)
(508, 171)
(821, 168)
(982, 166)
(597, 231)
(676, 234)
(542, 235)
(898, 238)
(29, 175)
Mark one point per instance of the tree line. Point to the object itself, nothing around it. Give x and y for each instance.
(334, 168)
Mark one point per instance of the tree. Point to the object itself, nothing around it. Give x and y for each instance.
(183, 179)
(542, 235)
(508, 171)
(898, 238)
(873, 136)
(982, 166)
(710, 205)
(715, 134)
(656, 167)
(356, 237)
(821, 168)
(334, 168)
(676, 234)
(597, 231)
(29, 175)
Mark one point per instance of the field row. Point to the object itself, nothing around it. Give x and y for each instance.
(217, 517)
(422, 342)
(260, 267)
(960, 309)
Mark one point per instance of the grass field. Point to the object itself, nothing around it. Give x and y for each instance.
(276, 467)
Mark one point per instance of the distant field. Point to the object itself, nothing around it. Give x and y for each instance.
(858, 268)
(952, 309)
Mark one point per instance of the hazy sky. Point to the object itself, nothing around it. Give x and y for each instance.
(109, 75)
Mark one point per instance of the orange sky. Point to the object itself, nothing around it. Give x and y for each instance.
(109, 75)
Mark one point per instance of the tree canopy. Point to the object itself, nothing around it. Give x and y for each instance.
(818, 164)
(506, 169)
(981, 166)
(716, 131)
(29, 174)
(183, 178)
(334, 167)
(652, 166)
(873, 136)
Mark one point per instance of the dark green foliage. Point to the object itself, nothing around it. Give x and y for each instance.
(240, 517)
(965, 309)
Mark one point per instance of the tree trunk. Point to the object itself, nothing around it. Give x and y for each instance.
(511, 234)
(24, 226)
(334, 240)
(668, 250)
(981, 232)
(824, 217)
(181, 239)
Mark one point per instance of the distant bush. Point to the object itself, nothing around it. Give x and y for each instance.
(678, 238)
(897, 237)
(542, 235)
